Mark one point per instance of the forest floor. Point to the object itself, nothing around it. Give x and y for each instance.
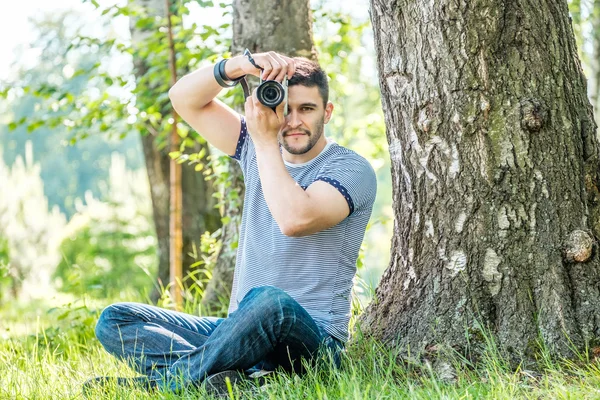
(49, 352)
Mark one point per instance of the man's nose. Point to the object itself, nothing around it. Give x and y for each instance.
(293, 120)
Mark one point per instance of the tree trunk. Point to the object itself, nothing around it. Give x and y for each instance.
(595, 78)
(157, 168)
(495, 174)
(259, 25)
(199, 212)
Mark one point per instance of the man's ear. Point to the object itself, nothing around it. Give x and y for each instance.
(328, 111)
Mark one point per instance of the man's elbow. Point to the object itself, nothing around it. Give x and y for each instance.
(296, 228)
(174, 95)
(290, 231)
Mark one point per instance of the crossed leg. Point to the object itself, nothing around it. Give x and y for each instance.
(269, 327)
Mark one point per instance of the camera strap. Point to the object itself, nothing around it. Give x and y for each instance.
(245, 88)
(243, 81)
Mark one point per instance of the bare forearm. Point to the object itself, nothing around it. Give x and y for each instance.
(286, 199)
(199, 88)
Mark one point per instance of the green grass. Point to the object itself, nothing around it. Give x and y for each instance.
(49, 354)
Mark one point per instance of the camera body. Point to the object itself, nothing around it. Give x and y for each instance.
(272, 93)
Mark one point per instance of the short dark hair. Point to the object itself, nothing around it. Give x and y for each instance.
(309, 73)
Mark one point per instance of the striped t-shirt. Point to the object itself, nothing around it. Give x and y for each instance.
(316, 270)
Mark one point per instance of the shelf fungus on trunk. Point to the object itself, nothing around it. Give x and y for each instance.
(578, 247)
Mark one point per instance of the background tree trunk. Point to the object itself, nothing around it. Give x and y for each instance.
(259, 25)
(495, 173)
(199, 212)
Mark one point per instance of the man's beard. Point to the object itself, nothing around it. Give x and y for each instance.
(312, 139)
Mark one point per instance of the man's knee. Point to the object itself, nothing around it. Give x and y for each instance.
(107, 327)
(270, 298)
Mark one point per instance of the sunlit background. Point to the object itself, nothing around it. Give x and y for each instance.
(77, 227)
(75, 210)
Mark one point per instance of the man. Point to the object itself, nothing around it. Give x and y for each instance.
(306, 207)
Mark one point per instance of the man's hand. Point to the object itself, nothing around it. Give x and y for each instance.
(263, 124)
(274, 66)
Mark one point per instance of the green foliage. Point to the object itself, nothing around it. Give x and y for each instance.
(110, 248)
(194, 284)
(28, 228)
(5, 279)
(343, 45)
(37, 109)
(49, 354)
(585, 15)
(201, 269)
(88, 97)
(74, 328)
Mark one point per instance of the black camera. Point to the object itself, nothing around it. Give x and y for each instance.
(272, 93)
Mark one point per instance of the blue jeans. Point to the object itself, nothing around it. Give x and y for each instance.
(268, 330)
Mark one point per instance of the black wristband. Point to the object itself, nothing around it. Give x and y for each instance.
(224, 74)
(221, 77)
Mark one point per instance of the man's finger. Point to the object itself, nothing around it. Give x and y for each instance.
(255, 98)
(291, 66)
(279, 111)
(276, 68)
(284, 67)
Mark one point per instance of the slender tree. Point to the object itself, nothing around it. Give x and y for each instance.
(175, 206)
(258, 25)
(495, 178)
(198, 211)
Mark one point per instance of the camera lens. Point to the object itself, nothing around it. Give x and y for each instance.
(270, 93)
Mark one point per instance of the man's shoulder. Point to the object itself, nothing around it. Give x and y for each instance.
(340, 155)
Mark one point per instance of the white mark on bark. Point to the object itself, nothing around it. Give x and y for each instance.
(532, 221)
(503, 222)
(506, 153)
(442, 252)
(422, 154)
(397, 83)
(411, 272)
(545, 191)
(417, 219)
(460, 306)
(490, 271)
(456, 118)
(436, 285)
(538, 175)
(520, 216)
(483, 69)
(396, 149)
(455, 163)
(484, 105)
(457, 262)
(429, 231)
(460, 222)
(459, 127)
(424, 122)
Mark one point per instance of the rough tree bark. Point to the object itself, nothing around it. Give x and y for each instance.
(259, 25)
(199, 212)
(495, 174)
(595, 59)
